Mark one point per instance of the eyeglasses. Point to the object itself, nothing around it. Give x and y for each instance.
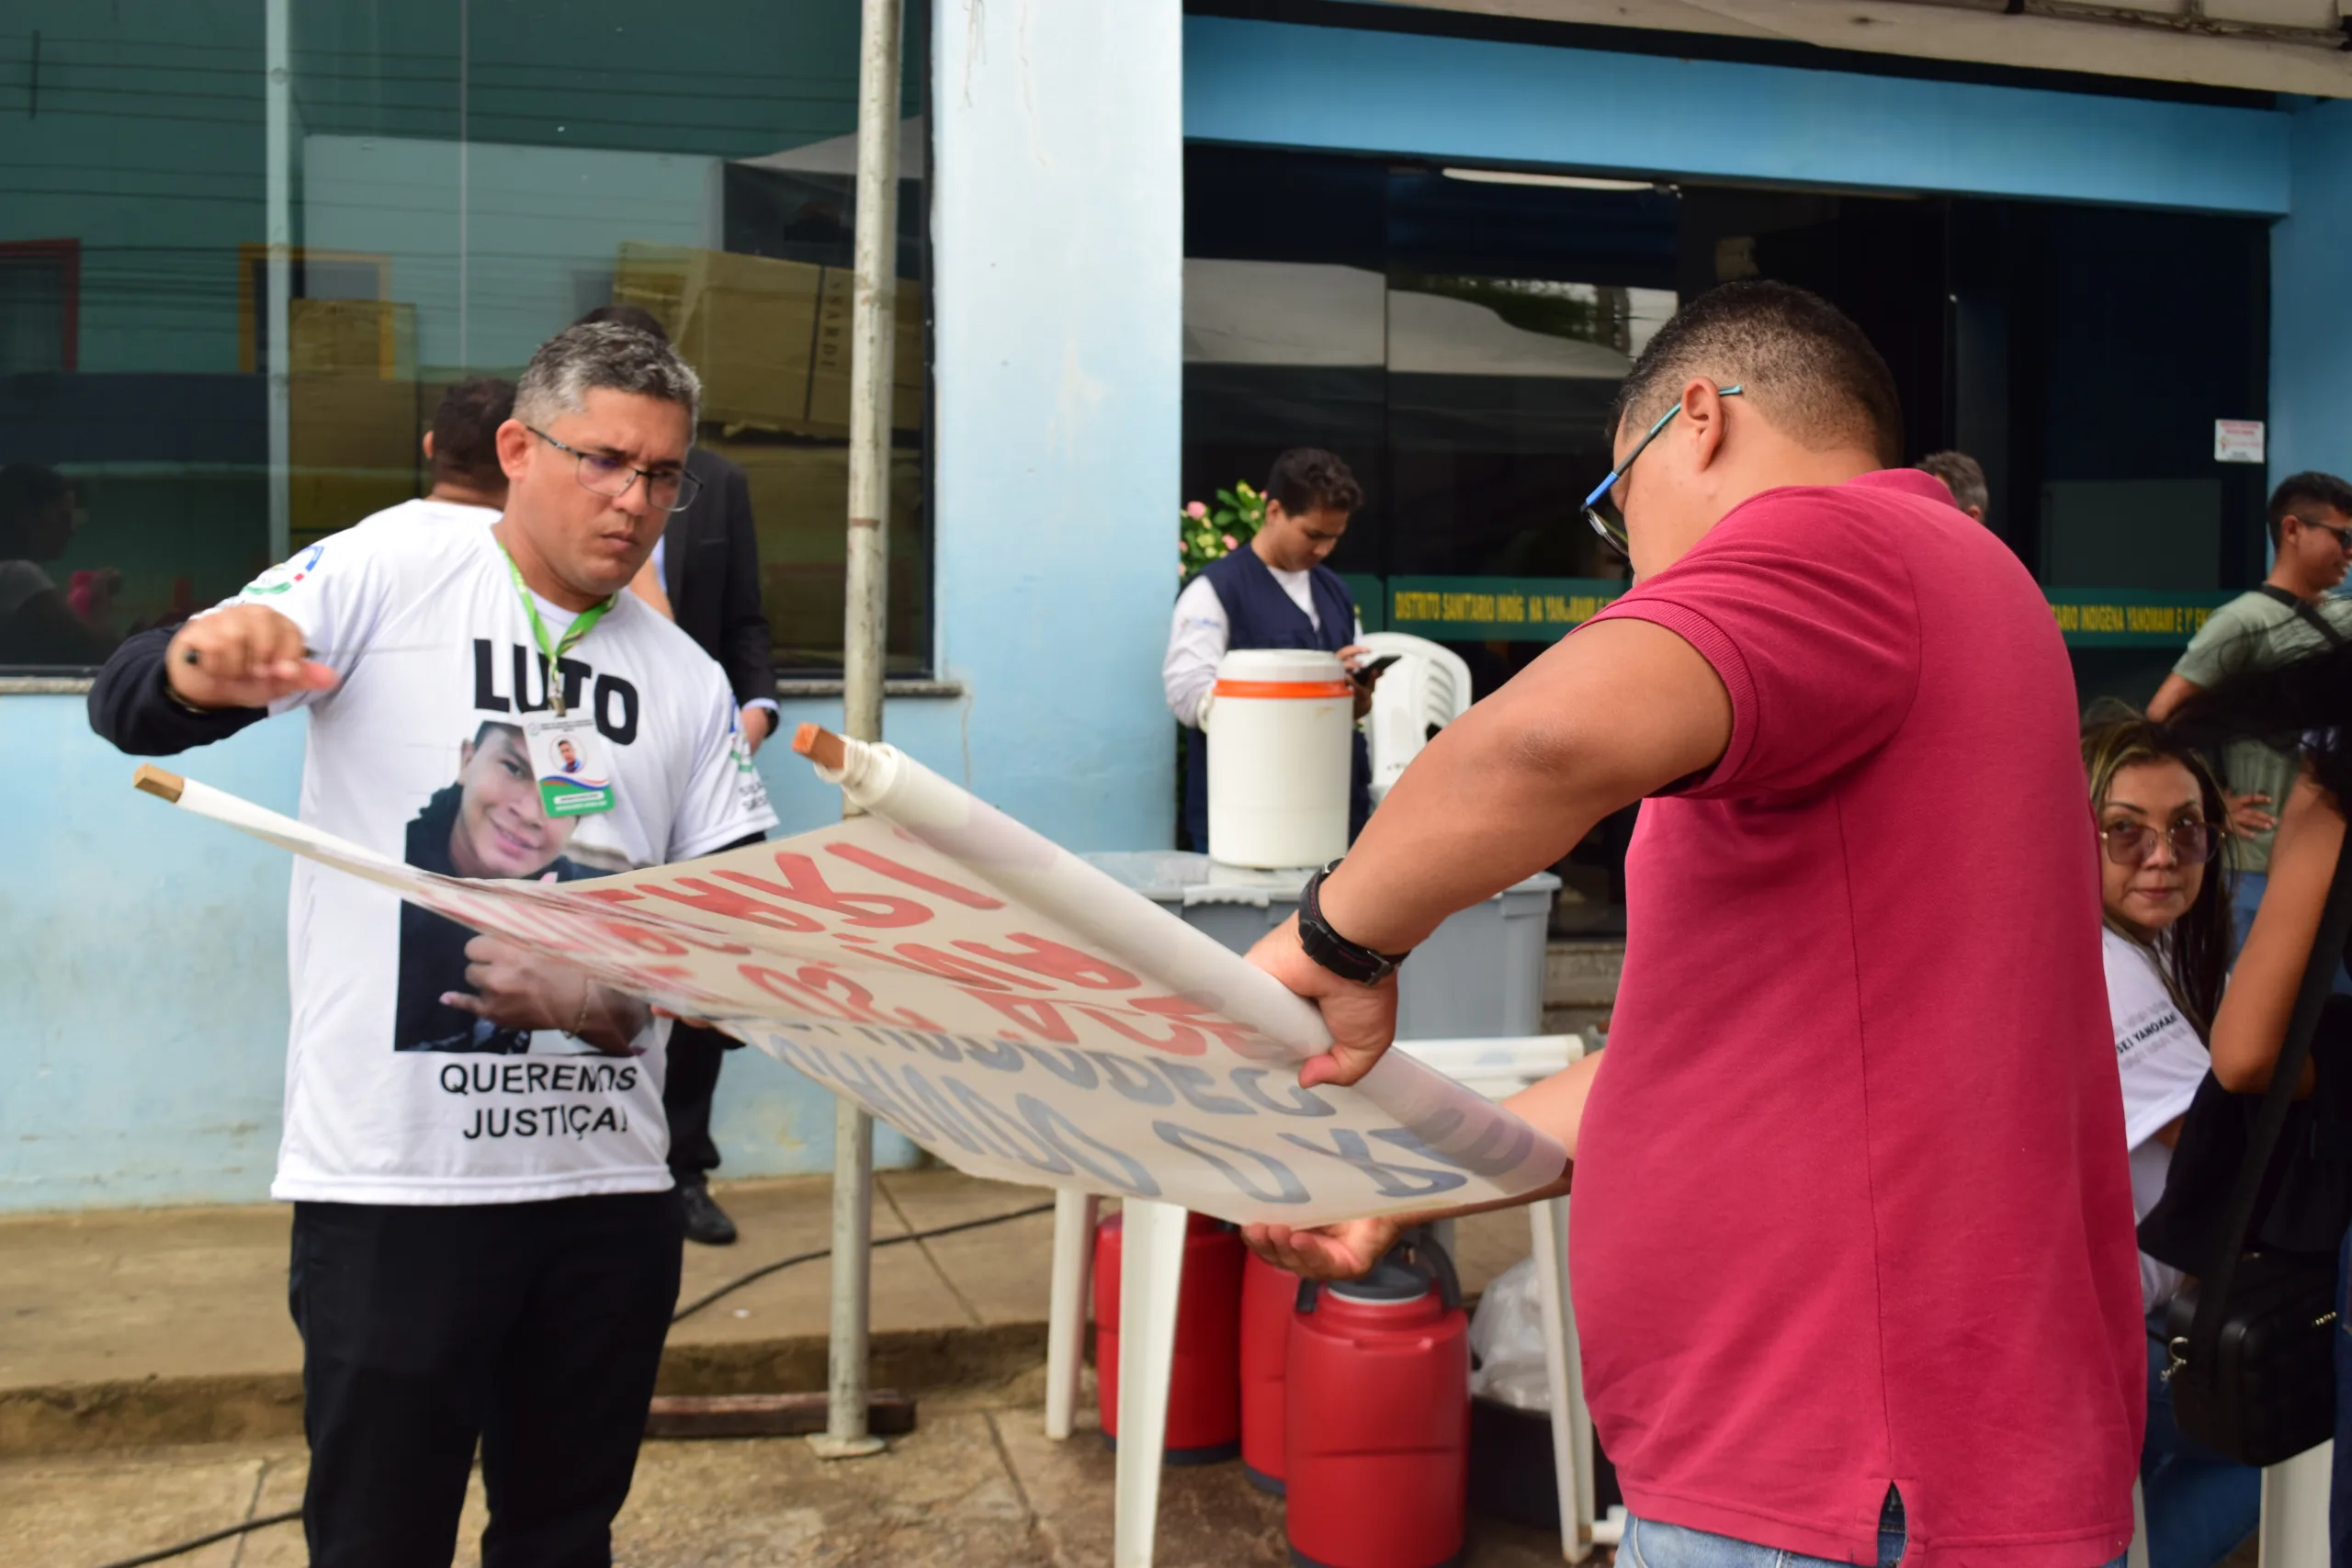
(2131, 843)
(672, 489)
(1600, 508)
(2343, 536)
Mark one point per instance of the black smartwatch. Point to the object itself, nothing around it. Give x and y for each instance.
(1347, 960)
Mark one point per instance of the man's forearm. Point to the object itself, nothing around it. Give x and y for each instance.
(130, 707)
(1611, 714)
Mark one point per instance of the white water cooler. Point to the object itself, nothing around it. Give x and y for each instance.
(1281, 746)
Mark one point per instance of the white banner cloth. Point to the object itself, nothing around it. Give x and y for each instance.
(1009, 1007)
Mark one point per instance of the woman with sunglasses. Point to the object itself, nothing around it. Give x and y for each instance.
(2158, 812)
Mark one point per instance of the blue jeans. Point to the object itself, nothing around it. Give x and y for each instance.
(1649, 1545)
(2200, 1505)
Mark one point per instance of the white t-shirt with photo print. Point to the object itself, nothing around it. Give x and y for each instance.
(390, 1098)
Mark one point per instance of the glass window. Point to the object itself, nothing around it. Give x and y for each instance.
(451, 185)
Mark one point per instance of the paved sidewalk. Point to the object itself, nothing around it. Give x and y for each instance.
(167, 1326)
(977, 1485)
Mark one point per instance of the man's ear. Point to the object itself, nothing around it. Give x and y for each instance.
(514, 448)
(427, 445)
(1702, 418)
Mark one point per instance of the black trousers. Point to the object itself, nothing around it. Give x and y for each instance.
(536, 1328)
(687, 1090)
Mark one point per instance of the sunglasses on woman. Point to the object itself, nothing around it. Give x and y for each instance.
(2131, 843)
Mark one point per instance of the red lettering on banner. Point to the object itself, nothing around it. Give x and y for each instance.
(726, 904)
(1068, 965)
(708, 942)
(804, 884)
(927, 960)
(1183, 1041)
(1042, 1018)
(885, 865)
(814, 986)
(1201, 1016)
(643, 939)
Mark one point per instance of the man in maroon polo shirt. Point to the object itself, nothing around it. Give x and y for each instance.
(1852, 1252)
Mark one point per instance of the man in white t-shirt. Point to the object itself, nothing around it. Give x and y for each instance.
(486, 1246)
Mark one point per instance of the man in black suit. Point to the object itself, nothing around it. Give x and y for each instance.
(705, 575)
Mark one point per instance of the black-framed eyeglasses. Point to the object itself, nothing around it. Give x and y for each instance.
(1600, 508)
(2131, 843)
(672, 489)
(2343, 536)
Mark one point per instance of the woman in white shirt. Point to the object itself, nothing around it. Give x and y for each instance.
(2160, 816)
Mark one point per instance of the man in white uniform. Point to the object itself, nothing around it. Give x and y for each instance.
(485, 1243)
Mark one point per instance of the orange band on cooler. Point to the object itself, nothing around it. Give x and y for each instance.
(1284, 689)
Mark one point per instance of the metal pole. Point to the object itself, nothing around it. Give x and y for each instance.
(278, 94)
(872, 311)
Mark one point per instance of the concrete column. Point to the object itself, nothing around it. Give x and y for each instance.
(1057, 260)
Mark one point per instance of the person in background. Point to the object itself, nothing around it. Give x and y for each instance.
(2159, 815)
(2292, 613)
(1964, 477)
(37, 625)
(1276, 594)
(1855, 1278)
(462, 446)
(705, 575)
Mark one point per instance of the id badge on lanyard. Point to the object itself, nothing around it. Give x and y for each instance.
(568, 752)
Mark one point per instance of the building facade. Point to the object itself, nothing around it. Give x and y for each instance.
(1145, 245)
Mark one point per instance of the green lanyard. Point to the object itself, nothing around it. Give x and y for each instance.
(578, 629)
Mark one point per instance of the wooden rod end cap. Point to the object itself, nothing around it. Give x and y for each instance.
(159, 782)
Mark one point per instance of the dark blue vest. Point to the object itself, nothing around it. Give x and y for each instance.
(1258, 613)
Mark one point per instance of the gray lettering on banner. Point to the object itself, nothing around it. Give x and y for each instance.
(1393, 1180)
(1303, 1102)
(1129, 1177)
(1287, 1188)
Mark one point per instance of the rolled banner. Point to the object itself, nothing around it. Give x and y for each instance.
(1025, 867)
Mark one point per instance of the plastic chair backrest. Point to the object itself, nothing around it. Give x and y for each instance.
(1427, 689)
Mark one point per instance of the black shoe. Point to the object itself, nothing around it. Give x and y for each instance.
(705, 1221)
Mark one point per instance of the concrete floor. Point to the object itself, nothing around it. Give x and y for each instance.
(977, 1485)
(150, 1392)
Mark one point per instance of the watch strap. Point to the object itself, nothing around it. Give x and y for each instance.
(1349, 960)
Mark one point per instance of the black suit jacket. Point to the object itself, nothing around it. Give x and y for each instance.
(710, 567)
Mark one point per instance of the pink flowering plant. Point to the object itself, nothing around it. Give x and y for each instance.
(1205, 534)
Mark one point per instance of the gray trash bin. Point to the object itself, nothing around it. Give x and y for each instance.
(1480, 976)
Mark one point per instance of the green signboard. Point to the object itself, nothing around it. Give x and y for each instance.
(1543, 609)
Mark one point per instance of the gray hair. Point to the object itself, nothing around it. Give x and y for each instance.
(602, 354)
(1963, 475)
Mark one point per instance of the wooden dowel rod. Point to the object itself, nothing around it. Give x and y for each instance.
(819, 745)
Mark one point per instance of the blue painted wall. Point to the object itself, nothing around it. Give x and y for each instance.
(1286, 85)
(1058, 234)
(2311, 320)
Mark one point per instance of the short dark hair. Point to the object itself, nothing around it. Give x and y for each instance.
(1963, 475)
(464, 432)
(2303, 496)
(1806, 367)
(635, 316)
(1308, 479)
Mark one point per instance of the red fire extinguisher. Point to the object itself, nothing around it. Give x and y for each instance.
(1204, 1383)
(1269, 1300)
(1378, 1442)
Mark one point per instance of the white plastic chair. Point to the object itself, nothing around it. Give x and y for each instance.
(1428, 685)
(1151, 1266)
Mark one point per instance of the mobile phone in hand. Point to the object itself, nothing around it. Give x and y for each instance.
(1363, 674)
